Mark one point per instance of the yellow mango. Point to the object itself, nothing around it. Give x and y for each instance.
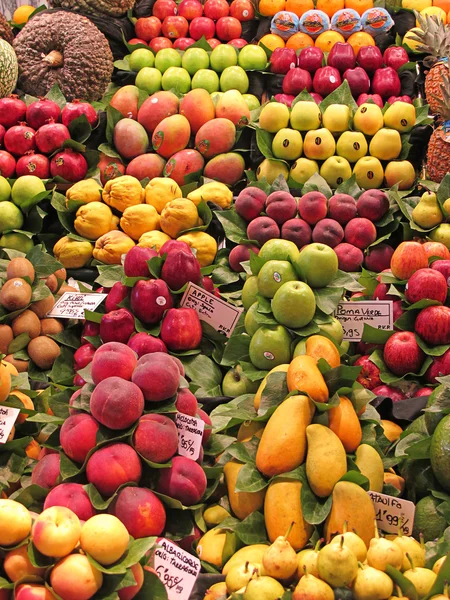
(326, 461)
(304, 375)
(122, 192)
(352, 510)
(153, 239)
(283, 442)
(94, 220)
(283, 506)
(204, 245)
(210, 547)
(253, 554)
(215, 191)
(345, 423)
(370, 464)
(177, 216)
(110, 247)
(257, 399)
(242, 503)
(391, 430)
(159, 191)
(83, 192)
(137, 220)
(248, 429)
(72, 254)
(319, 346)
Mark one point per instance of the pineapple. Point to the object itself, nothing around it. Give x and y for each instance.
(438, 154)
(435, 39)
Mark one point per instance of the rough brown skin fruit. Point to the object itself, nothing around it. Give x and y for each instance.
(87, 62)
(114, 8)
(5, 30)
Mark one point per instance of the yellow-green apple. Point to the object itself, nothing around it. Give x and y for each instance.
(297, 231)
(270, 347)
(336, 118)
(319, 144)
(433, 325)
(15, 522)
(317, 264)
(312, 207)
(305, 115)
(368, 171)
(56, 531)
(278, 250)
(335, 170)
(236, 383)
(441, 234)
(287, 300)
(350, 258)
(303, 169)
(334, 329)
(249, 291)
(342, 208)
(74, 578)
(402, 353)
(352, 145)
(252, 56)
(223, 56)
(426, 283)
(408, 258)
(273, 274)
(166, 58)
(329, 232)
(195, 59)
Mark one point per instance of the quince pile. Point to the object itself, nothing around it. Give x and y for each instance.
(114, 219)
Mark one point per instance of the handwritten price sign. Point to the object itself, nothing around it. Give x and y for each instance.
(178, 570)
(8, 416)
(72, 305)
(190, 435)
(353, 315)
(392, 513)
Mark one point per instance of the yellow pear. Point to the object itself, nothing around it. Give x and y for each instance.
(252, 554)
(242, 504)
(446, 205)
(368, 119)
(326, 461)
(400, 116)
(211, 546)
(337, 565)
(441, 234)
(383, 552)
(386, 144)
(438, 564)
(214, 515)
(280, 560)
(353, 542)
(337, 118)
(240, 575)
(423, 580)
(311, 588)
(319, 144)
(303, 169)
(352, 145)
(306, 116)
(218, 591)
(307, 561)
(263, 588)
(411, 550)
(371, 584)
(370, 463)
(427, 213)
(273, 117)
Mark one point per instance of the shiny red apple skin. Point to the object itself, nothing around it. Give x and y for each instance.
(395, 57)
(440, 367)
(150, 299)
(181, 329)
(426, 284)
(408, 258)
(390, 391)
(369, 377)
(433, 325)
(402, 353)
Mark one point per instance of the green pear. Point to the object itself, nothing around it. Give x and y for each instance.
(369, 172)
(335, 170)
(368, 119)
(251, 325)
(427, 213)
(337, 118)
(263, 588)
(280, 559)
(214, 515)
(400, 116)
(337, 565)
(371, 584)
(236, 383)
(287, 144)
(441, 234)
(383, 552)
(273, 117)
(271, 169)
(303, 169)
(353, 542)
(239, 576)
(423, 579)
(352, 145)
(305, 116)
(249, 291)
(319, 144)
(411, 549)
(386, 144)
(312, 588)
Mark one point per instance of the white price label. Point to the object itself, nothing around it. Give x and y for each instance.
(72, 305)
(8, 416)
(353, 316)
(393, 513)
(190, 434)
(178, 570)
(222, 316)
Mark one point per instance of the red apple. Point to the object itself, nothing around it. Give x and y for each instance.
(228, 28)
(370, 58)
(135, 264)
(369, 376)
(381, 292)
(164, 8)
(402, 353)
(144, 343)
(148, 28)
(202, 26)
(117, 326)
(326, 80)
(216, 9)
(159, 43)
(316, 97)
(150, 299)
(287, 99)
(174, 27)
(282, 60)
(389, 391)
(116, 296)
(395, 57)
(183, 43)
(386, 82)
(83, 356)
(433, 325)
(443, 266)
(181, 329)
(341, 57)
(423, 391)
(440, 367)
(358, 80)
(379, 257)
(408, 258)
(213, 42)
(179, 268)
(296, 80)
(135, 41)
(90, 329)
(238, 43)
(393, 99)
(174, 245)
(310, 59)
(242, 10)
(376, 98)
(189, 9)
(397, 311)
(426, 284)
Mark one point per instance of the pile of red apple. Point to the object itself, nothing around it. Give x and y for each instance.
(341, 222)
(33, 138)
(370, 74)
(182, 25)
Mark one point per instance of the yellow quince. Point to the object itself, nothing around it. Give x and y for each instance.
(137, 220)
(177, 216)
(122, 192)
(215, 191)
(204, 244)
(110, 247)
(71, 253)
(83, 192)
(153, 239)
(94, 220)
(159, 191)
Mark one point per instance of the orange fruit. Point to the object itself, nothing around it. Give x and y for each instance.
(26, 401)
(269, 8)
(360, 39)
(299, 40)
(10, 368)
(299, 7)
(359, 5)
(33, 449)
(344, 422)
(444, 4)
(5, 383)
(272, 41)
(22, 14)
(330, 6)
(326, 40)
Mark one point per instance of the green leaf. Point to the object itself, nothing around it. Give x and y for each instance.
(236, 350)
(80, 129)
(403, 583)
(252, 372)
(340, 377)
(315, 510)
(431, 350)
(250, 480)
(113, 117)
(327, 299)
(304, 96)
(358, 478)
(234, 226)
(43, 263)
(40, 291)
(316, 183)
(346, 281)
(62, 370)
(109, 275)
(341, 95)
(275, 391)
(19, 343)
(152, 588)
(252, 530)
(264, 142)
(67, 337)
(136, 550)
(55, 94)
(371, 335)
(350, 187)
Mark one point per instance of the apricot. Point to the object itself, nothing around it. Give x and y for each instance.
(141, 511)
(157, 375)
(33, 591)
(72, 496)
(26, 401)
(105, 538)
(56, 531)
(15, 522)
(78, 436)
(185, 481)
(156, 438)
(47, 471)
(18, 565)
(115, 359)
(74, 578)
(117, 403)
(112, 466)
(129, 592)
(33, 450)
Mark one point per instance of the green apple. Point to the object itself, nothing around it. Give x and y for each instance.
(278, 250)
(270, 347)
(252, 101)
(5, 189)
(272, 276)
(141, 58)
(25, 188)
(335, 170)
(303, 169)
(11, 216)
(195, 59)
(344, 348)
(16, 241)
(306, 115)
(176, 78)
(252, 57)
(234, 78)
(249, 291)
(236, 383)
(223, 56)
(206, 79)
(149, 80)
(300, 348)
(294, 304)
(251, 325)
(333, 329)
(166, 58)
(317, 264)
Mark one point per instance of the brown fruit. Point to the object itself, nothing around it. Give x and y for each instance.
(27, 322)
(52, 283)
(51, 326)
(65, 288)
(41, 307)
(20, 267)
(43, 351)
(21, 365)
(6, 337)
(60, 274)
(15, 294)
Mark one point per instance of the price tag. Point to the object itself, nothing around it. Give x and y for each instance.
(392, 513)
(222, 316)
(73, 283)
(353, 315)
(178, 570)
(190, 434)
(8, 416)
(72, 305)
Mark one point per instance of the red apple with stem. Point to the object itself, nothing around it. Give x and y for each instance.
(402, 353)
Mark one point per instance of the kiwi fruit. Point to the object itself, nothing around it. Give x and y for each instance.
(27, 322)
(20, 267)
(6, 337)
(43, 351)
(15, 294)
(66, 288)
(21, 365)
(51, 326)
(42, 307)
(52, 283)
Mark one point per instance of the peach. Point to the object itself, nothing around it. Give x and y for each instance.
(113, 359)
(329, 232)
(45, 451)
(263, 229)
(281, 206)
(312, 207)
(105, 538)
(141, 511)
(33, 591)
(360, 232)
(379, 257)
(116, 403)
(112, 466)
(46, 473)
(144, 343)
(129, 592)
(156, 438)
(157, 375)
(372, 205)
(342, 208)
(350, 258)
(179, 365)
(240, 254)
(74, 578)
(208, 425)
(185, 481)
(73, 397)
(56, 531)
(297, 231)
(15, 522)
(18, 565)
(72, 496)
(250, 203)
(78, 436)
(186, 402)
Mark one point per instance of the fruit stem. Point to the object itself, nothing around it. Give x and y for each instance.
(345, 528)
(409, 557)
(377, 533)
(422, 541)
(54, 59)
(446, 589)
(319, 543)
(289, 530)
(342, 542)
(246, 566)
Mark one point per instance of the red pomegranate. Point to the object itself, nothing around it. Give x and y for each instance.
(69, 165)
(51, 137)
(7, 164)
(40, 112)
(20, 139)
(33, 164)
(75, 109)
(12, 111)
